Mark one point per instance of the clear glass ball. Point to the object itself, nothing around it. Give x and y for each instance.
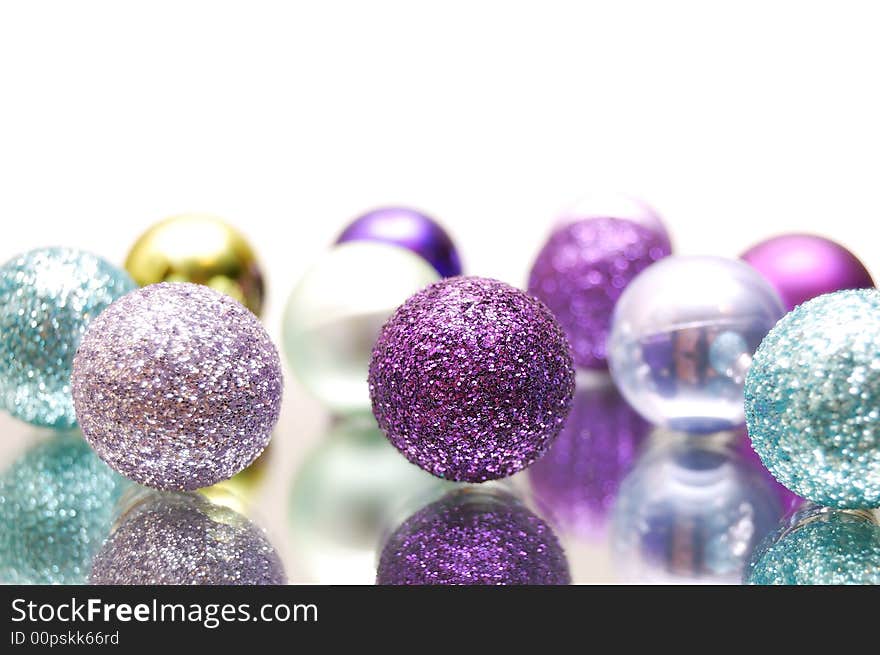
(336, 311)
(683, 336)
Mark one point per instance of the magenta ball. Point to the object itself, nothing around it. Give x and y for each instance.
(803, 266)
(408, 228)
(471, 379)
(581, 271)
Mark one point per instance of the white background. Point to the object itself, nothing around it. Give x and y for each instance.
(735, 120)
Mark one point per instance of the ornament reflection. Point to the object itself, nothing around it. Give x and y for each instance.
(691, 511)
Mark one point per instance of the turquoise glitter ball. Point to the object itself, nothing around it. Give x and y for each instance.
(56, 508)
(823, 547)
(813, 400)
(47, 299)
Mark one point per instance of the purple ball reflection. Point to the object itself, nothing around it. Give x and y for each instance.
(409, 229)
(803, 266)
(576, 482)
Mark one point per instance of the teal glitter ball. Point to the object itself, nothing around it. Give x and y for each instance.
(56, 508)
(826, 547)
(47, 299)
(812, 399)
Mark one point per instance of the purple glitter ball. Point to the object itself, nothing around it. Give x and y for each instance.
(410, 229)
(184, 539)
(471, 379)
(581, 272)
(576, 482)
(177, 386)
(473, 537)
(803, 266)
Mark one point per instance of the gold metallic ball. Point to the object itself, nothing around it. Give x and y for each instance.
(240, 491)
(202, 249)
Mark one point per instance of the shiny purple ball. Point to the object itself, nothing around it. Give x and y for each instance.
(581, 272)
(410, 229)
(803, 266)
(473, 538)
(576, 482)
(471, 379)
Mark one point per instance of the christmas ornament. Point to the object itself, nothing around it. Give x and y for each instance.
(614, 205)
(803, 266)
(56, 507)
(183, 538)
(581, 271)
(202, 249)
(691, 511)
(473, 537)
(47, 299)
(789, 500)
(576, 482)
(336, 311)
(408, 228)
(812, 400)
(820, 546)
(471, 379)
(344, 496)
(241, 490)
(682, 340)
(177, 386)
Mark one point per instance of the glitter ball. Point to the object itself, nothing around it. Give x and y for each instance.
(56, 508)
(581, 272)
(577, 481)
(345, 494)
(471, 379)
(820, 546)
(473, 537)
(691, 511)
(410, 229)
(336, 311)
(184, 539)
(682, 340)
(47, 299)
(177, 386)
(812, 398)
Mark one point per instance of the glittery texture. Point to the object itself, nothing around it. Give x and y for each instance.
(691, 511)
(828, 547)
(47, 299)
(177, 386)
(473, 537)
(410, 229)
(471, 379)
(581, 272)
(803, 266)
(812, 399)
(174, 538)
(56, 508)
(576, 482)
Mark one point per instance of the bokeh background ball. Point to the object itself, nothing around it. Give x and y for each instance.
(336, 311)
(803, 266)
(48, 297)
(177, 386)
(346, 493)
(611, 204)
(823, 547)
(185, 539)
(682, 340)
(581, 271)
(202, 249)
(812, 398)
(472, 537)
(691, 511)
(57, 505)
(471, 379)
(411, 229)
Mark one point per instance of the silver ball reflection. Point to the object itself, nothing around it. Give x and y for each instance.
(691, 511)
(346, 494)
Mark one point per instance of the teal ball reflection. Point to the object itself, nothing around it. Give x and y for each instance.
(56, 508)
(346, 494)
(820, 546)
